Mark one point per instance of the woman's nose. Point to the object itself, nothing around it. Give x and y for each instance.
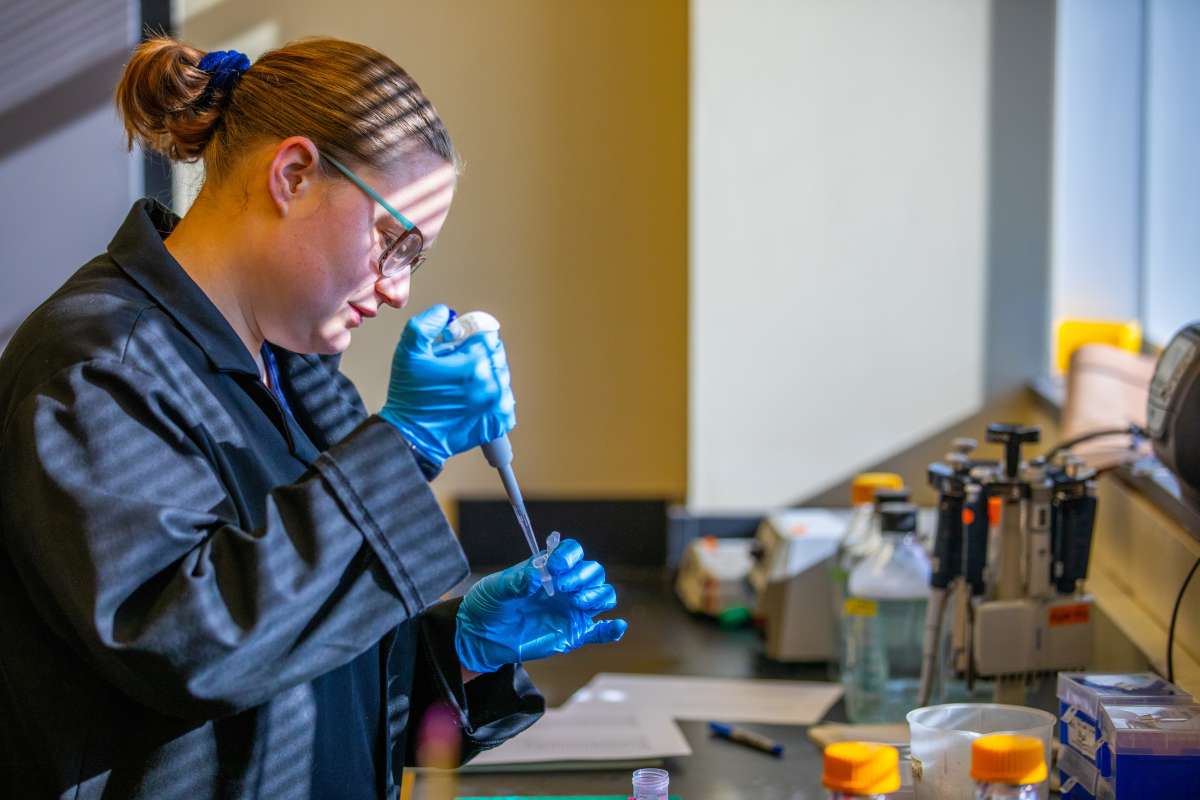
(393, 291)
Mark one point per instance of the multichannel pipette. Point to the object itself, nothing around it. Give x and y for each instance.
(498, 452)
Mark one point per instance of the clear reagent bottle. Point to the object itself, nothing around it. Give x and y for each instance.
(861, 771)
(1008, 767)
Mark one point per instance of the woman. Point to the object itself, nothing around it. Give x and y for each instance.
(220, 575)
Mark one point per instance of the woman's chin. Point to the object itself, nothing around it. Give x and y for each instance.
(331, 340)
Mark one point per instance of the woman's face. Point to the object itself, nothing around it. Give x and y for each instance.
(328, 282)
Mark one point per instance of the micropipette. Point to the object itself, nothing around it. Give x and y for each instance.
(498, 452)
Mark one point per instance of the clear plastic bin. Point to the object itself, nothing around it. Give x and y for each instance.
(1082, 696)
(941, 743)
(1154, 746)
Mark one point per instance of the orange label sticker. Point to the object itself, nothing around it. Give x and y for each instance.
(1077, 614)
(968, 516)
(995, 506)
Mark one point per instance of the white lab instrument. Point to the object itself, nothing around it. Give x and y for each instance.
(713, 576)
(794, 584)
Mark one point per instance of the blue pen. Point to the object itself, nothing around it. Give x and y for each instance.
(748, 738)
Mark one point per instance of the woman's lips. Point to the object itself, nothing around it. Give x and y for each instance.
(360, 314)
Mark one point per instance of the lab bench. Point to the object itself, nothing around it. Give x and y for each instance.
(664, 639)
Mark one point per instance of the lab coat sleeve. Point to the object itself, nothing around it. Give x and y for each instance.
(345, 389)
(489, 709)
(124, 534)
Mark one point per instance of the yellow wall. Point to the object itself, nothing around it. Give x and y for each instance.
(569, 224)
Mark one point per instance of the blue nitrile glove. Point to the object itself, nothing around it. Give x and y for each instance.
(448, 404)
(507, 617)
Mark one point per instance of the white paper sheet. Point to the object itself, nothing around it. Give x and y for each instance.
(723, 699)
(569, 736)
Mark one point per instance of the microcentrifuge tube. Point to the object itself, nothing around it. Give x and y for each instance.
(650, 784)
(540, 562)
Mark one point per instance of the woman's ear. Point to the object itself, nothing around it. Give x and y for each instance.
(295, 167)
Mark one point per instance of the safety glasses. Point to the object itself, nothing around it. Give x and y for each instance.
(399, 252)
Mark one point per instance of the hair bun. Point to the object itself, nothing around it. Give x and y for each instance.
(168, 102)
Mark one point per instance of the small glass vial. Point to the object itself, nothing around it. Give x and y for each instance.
(650, 784)
(861, 771)
(1007, 767)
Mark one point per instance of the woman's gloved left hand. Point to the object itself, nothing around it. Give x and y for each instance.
(507, 617)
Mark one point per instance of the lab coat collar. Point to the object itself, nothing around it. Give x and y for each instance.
(138, 249)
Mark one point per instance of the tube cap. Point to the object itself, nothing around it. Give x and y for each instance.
(897, 517)
(891, 496)
(1008, 759)
(862, 490)
(861, 768)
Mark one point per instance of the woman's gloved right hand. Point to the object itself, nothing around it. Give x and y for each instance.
(450, 403)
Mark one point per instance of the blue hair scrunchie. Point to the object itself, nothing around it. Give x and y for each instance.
(224, 67)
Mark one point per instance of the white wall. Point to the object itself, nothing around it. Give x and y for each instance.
(837, 237)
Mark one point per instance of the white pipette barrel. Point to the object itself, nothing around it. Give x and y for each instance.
(499, 452)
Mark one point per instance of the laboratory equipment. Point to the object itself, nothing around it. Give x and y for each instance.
(868, 491)
(860, 771)
(1082, 696)
(1010, 555)
(650, 784)
(1173, 411)
(498, 452)
(1150, 751)
(793, 583)
(713, 577)
(882, 620)
(941, 739)
(1008, 767)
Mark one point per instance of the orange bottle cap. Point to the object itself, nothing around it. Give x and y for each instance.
(862, 489)
(1004, 758)
(861, 768)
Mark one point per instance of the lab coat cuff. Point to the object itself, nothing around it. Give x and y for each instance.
(387, 497)
(492, 707)
(429, 469)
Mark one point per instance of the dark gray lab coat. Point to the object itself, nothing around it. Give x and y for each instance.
(182, 560)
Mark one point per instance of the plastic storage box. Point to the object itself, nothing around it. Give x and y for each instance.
(1081, 696)
(1151, 751)
(1079, 778)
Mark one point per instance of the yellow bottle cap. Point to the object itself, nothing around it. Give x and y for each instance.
(1008, 759)
(861, 768)
(862, 490)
